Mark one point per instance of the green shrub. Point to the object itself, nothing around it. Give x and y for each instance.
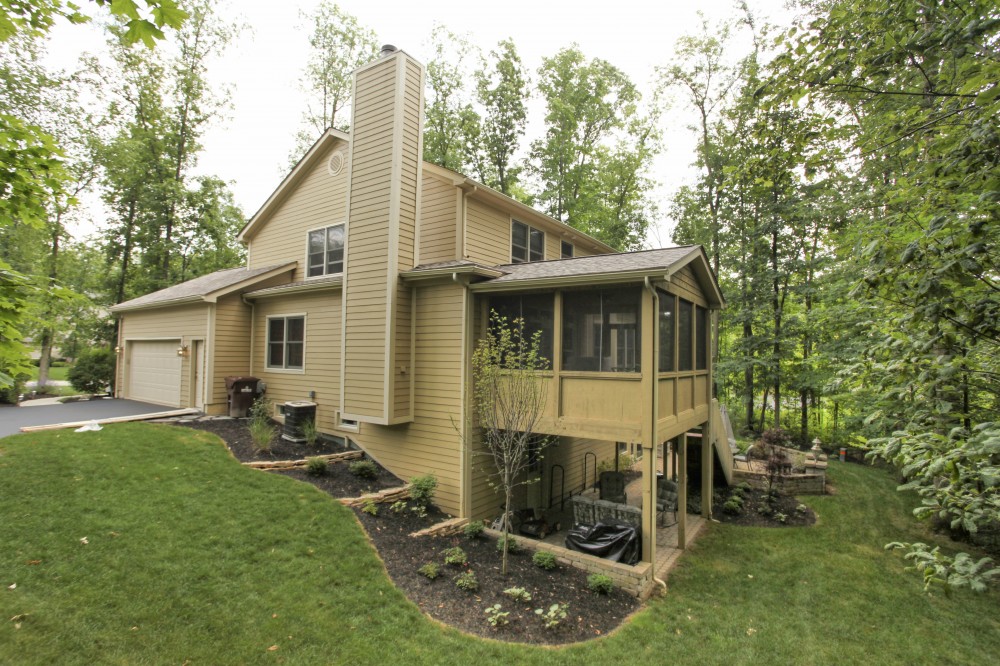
(553, 616)
(364, 469)
(745, 487)
(600, 584)
(543, 559)
(370, 507)
(9, 394)
(455, 557)
(496, 616)
(422, 489)
(316, 466)
(310, 432)
(474, 530)
(430, 571)
(801, 508)
(398, 506)
(513, 547)
(467, 581)
(94, 371)
(261, 427)
(518, 594)
(733, 506)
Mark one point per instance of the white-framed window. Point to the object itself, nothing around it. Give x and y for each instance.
(526, 243)
(325, 251)
(347, 424)
(566, 249)
(286, 341)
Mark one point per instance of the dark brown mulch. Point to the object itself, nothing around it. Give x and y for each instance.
(589, 615)
(236, 434)
(752, 515)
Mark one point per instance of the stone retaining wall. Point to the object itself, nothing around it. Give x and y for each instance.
(636, 580)
(791, 484)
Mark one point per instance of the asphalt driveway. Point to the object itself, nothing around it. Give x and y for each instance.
(12, 418)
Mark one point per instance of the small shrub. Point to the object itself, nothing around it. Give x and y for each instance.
(474, 530)
(765, 510)
(801, 508)
(780, 517)
(543, 559)
(518, 594)
(733, 506)
(422, 489)
(513, 546)
(364, 469)
(745, 487)
(370, 507)
(467, 581)
(496, 616)
(397, 507)
(600, 584)
(430, 571)
(455, 557)
(316, 466)
(94, 371)
(310, 432)
(419, 510)
(260, 426)
(553, 616)
(738, 492)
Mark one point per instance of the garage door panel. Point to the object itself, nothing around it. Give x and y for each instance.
(155, 372)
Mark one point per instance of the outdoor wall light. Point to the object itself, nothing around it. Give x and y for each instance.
(182, 350)
(118, 349)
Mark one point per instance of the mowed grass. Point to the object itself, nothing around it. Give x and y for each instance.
(192, 558)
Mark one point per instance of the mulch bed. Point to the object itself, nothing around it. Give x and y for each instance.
(751, 515)
(589, 615)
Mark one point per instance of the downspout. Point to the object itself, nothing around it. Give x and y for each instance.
(653, 398)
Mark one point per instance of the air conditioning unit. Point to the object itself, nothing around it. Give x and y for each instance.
(297, 414)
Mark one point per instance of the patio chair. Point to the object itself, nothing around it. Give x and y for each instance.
(744, 457)
(666, 500)
(613, 487)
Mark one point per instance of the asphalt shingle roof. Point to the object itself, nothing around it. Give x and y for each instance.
(623, 262)
(200, 286)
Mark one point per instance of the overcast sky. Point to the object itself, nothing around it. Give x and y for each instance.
(250, 148)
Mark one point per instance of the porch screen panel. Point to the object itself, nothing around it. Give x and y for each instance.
(601, 330)
(537, 313)
(582, 330)
(667, 320)
(685, 326)
(620, 324)
(701, 342)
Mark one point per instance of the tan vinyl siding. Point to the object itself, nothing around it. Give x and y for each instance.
(439, 208)
(686, 285)
(319, 200)
(321, 373)
(430, 444)
(231, 348)
(487, 235)
(183, 323)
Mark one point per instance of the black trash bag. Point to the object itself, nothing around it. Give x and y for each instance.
(611, 539)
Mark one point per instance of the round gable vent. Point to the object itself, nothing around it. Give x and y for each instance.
(336, 163)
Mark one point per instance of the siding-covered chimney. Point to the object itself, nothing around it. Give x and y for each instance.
(383, 205)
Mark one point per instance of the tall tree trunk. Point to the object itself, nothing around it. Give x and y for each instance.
(126, 251)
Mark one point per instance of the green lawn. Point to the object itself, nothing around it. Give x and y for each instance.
(192, 558)
(55, 374)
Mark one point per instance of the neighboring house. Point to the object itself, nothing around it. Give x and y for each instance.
(369, 278)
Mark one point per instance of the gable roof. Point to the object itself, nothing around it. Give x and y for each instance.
(204, 289)
(608, 268)
(298, 172)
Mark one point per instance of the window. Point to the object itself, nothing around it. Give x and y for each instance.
(701, 342)
(601, 330)
(286, 342)
(685, 324)
(526, 243)
(326, 251)
(567, 250)
(538, 313)
(667, 322)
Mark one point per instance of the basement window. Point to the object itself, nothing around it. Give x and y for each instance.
(325, 251)
(526, 243)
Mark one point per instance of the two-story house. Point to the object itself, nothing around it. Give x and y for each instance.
(370, 275)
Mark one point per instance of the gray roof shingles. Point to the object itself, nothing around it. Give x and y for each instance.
(624, 262)
(200, 286)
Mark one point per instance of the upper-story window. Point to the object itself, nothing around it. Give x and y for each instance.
(526, 243)
(567, 250)
(601, 330)
(286, 337)
(326, 251)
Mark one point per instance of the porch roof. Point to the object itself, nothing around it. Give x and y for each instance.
(206, 288)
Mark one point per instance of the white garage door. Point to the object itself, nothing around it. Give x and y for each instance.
(155, 372)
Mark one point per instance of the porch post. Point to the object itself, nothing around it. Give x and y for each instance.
(707, 433)
(648, 430)
(682, 489)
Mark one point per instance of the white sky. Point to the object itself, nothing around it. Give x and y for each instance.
(250, 148)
